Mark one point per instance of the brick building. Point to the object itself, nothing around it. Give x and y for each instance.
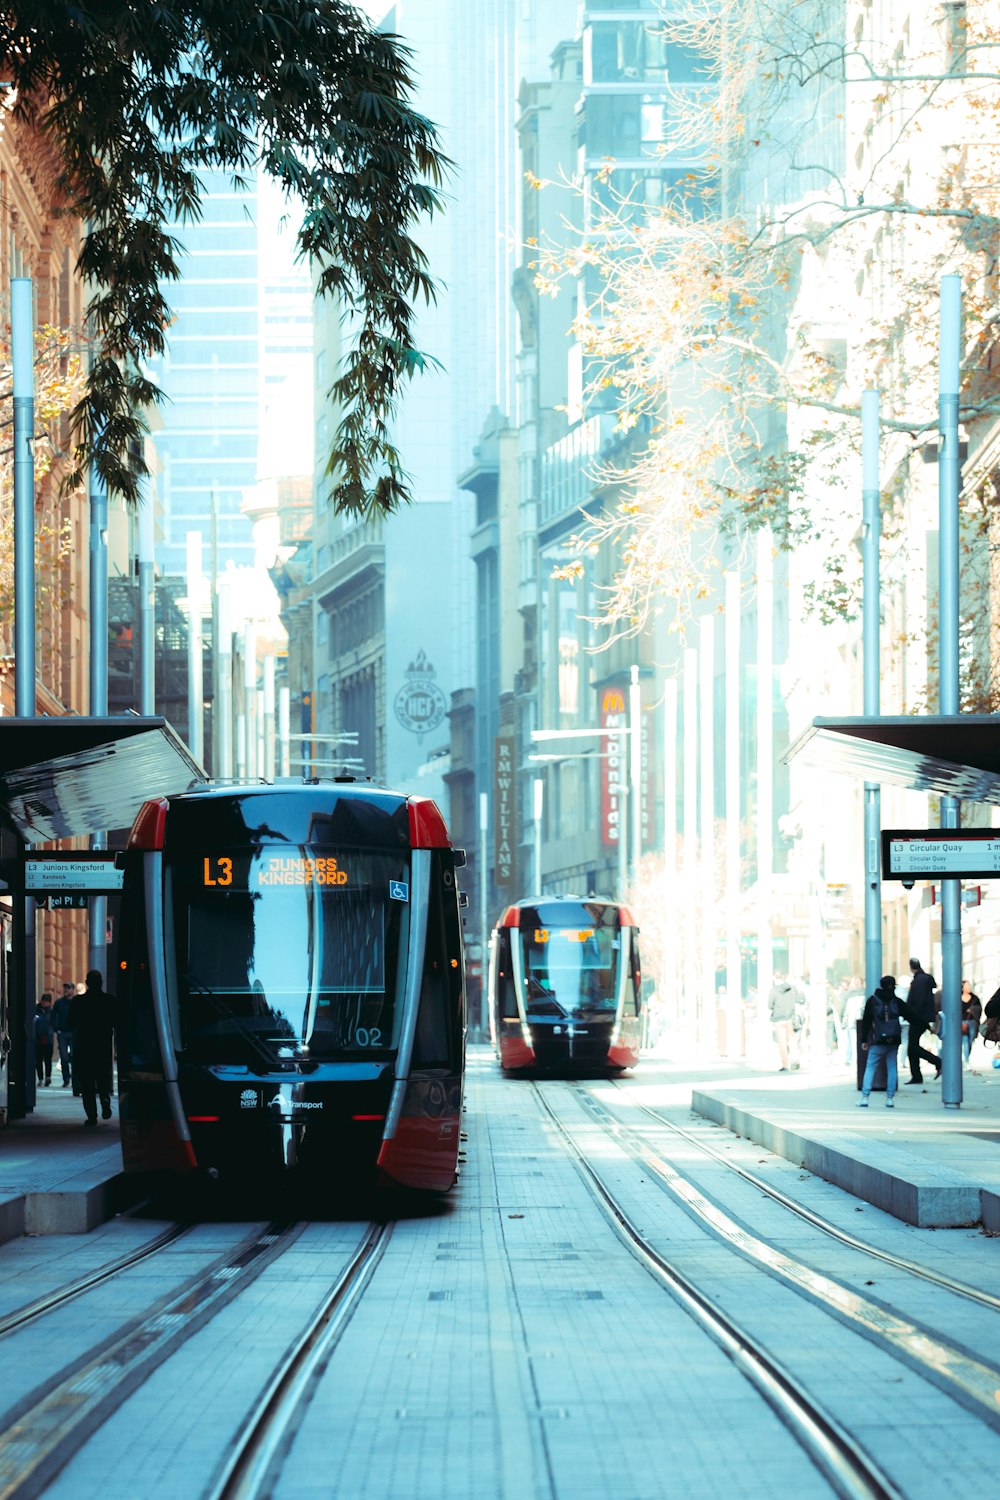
(38, 240)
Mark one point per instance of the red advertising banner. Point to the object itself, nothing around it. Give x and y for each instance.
(613, 716)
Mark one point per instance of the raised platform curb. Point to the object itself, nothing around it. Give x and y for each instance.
(904, 1185)
(78, 1204)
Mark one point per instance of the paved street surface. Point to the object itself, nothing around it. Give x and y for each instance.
(508, 1343)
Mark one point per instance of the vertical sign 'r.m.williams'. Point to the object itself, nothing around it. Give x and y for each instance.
(504, 810)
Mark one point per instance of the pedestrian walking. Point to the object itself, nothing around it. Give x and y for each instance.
(64, 1033)
(44, 1039)
(92, 1024)
(881, 1034)
(785, 1004)
(919, 1011)
(972, 1011)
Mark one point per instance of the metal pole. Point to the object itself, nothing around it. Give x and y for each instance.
(147, 611)
(269, 758)
(98, 906)
(213, 542)
(22, 1094)
(196, 686)
(670, 823)
(539, 803)
(635, 771)
(949, 485)
(870, 624)
(284, 728)
(765, 765)
(484, 827)
(706, 655)
(223, 713)
(734, 976)
(250, 700)
(688, 905)
(23, 361)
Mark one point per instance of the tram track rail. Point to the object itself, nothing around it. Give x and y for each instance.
(888, 1257)
(254, 1459)
(48, 1429)
(851, 1473)
(971, 1381)
(21, 1316)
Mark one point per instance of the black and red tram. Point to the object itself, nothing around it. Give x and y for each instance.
(565, 988)
(291, 986)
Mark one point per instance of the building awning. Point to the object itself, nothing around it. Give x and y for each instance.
(956, 755)
(70, 776)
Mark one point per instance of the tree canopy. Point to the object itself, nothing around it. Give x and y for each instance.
(143, 95)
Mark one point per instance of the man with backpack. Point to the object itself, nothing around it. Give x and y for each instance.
(919, 1011)
(881, 1034)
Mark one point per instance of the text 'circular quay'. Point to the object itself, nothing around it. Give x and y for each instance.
(499, 749)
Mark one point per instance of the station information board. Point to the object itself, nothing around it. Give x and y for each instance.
(78, 872)
(936, 853)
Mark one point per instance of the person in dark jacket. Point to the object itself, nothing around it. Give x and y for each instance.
(881, 1035)
(972, 1014)
(60, 1020)
(92, 1024)
(44, 1039)
(919, 1011)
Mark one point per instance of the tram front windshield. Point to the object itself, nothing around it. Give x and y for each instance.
(289, 951)
(572, 954)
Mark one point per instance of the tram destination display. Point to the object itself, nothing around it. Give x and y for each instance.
(937, 853)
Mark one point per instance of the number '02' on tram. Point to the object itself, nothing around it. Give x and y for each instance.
(291, 986)
(565, 986)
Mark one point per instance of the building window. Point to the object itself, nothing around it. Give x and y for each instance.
(955, 26)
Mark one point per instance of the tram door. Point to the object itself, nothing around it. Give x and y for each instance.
(6, 945)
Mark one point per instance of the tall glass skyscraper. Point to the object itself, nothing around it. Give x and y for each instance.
(207, 446)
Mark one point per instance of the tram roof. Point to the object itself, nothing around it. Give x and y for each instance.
(955, 755)
(73, 775)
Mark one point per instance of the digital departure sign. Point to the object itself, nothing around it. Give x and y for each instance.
(266, 869)
(937, 853)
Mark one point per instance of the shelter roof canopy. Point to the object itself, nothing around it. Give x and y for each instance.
(71, 776)
(955, 755)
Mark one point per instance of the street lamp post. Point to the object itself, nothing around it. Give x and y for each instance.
(624, 745)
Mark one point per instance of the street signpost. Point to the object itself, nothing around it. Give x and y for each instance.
(940, 854)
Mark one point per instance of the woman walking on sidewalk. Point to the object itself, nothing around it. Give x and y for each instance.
(880, 1038)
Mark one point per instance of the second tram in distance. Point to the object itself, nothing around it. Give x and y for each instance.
(291, 987)
(565, 986)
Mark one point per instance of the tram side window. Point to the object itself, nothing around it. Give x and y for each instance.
(633, 990)
(436, 1040)
(138, 1044)
(506, 997)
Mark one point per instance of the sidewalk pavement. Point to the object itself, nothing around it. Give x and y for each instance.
(55, 1176)
(930, 1166)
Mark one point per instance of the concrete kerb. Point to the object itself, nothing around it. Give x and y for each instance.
(904, 1185)
(78, 1204)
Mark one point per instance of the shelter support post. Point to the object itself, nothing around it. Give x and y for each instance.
(949, 484)
(871, 616)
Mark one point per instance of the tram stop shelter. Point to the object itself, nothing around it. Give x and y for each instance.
(66, 777)
(955, 755)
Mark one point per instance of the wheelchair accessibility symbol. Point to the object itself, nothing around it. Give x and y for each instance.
(399, 890)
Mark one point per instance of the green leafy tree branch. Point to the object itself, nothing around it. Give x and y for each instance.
(141, 97)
